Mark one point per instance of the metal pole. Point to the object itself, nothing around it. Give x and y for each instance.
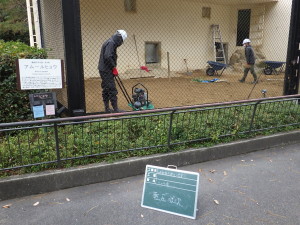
(74, 57)
(137, 52)
(292, 72)
(253, 115)
(170, 130)
(57, 146)
(168, 58)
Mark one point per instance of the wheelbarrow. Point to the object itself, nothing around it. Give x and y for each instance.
(214, 68)
(271, 67)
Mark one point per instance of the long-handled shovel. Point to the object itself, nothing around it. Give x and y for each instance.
(253, 86)
(187, 69)
(137, 53)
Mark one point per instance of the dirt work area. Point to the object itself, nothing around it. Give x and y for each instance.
(188, 90)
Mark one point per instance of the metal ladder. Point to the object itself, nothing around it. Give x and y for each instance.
(218, 46)
(34, 23)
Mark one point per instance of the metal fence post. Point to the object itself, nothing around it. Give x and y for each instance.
(170, 130)
(291, 80)
(253, 115)
(57, 146)
(74, 56)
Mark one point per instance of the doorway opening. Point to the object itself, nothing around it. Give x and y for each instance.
(243, 26)
(152, 53)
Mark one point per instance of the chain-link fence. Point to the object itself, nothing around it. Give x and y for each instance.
(184, 52)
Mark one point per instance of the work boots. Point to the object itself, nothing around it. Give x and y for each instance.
(107, 109)
(114, 103)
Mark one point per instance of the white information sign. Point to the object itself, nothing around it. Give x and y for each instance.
(40, 74)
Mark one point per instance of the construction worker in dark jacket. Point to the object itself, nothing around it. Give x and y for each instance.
(250, 61)
(108, 70)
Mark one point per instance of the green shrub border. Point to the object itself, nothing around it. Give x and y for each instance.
(15, 103)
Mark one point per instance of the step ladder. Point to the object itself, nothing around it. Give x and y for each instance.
(218, 45)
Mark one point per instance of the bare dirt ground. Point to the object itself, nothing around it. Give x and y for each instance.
(184, 90)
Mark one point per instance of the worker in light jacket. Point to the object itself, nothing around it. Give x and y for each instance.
(108, 70)
(250, 61)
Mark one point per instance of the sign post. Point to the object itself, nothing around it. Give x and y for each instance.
(171, 191)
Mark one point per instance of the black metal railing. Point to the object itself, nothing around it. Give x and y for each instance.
(54, 141)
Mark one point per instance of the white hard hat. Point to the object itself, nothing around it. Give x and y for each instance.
(246, 41)
(123, 34)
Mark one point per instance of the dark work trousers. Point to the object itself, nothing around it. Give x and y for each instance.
(246, 70)
(109, 90)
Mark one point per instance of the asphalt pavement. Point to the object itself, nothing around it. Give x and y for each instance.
(261, 187)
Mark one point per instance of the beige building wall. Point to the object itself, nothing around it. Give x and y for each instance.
(177, 25)
(273, 22)
(180, 29)
(277, 25)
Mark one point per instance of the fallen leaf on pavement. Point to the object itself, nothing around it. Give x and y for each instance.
(225, 173)
(35, 204)
(210, 180)
(212, 171)
(274, 214)
(114, 182)
(6, 206)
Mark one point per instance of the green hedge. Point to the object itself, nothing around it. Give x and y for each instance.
(15, 104)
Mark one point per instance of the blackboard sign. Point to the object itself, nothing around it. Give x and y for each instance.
(171, 191)
(47, 98)
(43, 104)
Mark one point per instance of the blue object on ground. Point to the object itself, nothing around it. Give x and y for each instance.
(206, 81)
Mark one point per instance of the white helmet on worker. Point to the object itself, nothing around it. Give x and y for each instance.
(123, 34)
(246, 41)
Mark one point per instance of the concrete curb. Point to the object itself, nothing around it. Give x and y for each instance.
(37, 183)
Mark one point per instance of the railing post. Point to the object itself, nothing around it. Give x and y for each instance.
(57, 146)
(253, 115)
(170, 130)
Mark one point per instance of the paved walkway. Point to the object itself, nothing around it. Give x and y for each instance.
(257, 188)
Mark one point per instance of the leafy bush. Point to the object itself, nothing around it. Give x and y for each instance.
(13, 18)
(14, 103)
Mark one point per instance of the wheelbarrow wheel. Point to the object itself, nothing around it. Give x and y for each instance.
(268, 70)
(210, 71)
